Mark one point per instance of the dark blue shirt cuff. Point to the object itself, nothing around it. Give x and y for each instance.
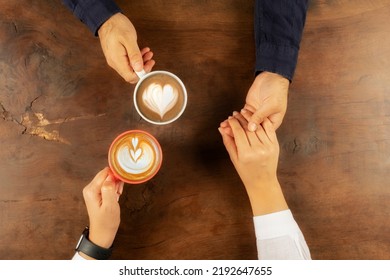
(281, 60)
(92, 13)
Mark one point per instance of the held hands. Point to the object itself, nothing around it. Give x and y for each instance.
(254, 154)
(266, 98)
(255, 157)
(101, 198)
(118, 39)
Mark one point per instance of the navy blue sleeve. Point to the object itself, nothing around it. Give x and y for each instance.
(278, 31)
(92, 12)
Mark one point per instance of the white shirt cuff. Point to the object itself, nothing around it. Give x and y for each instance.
(279, 237)
(275, 225)
(77, 257)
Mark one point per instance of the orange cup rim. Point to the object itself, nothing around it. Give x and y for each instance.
(119, 177)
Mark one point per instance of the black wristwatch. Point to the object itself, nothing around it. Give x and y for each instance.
(91, 249)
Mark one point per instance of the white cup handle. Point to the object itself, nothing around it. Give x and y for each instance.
(141, 73)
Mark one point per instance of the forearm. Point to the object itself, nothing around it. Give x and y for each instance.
(278, 30)
(92, 13)
(266, 196)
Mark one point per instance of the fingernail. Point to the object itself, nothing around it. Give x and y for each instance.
(138, 66)
(235, 113)
(110, 178)
(220, 130)
(252, 127)
(243, 111)
(230, 117)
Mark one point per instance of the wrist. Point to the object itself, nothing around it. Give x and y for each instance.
(85, 256)
(260, 181)
(89, 250)
(102, 240)
(107, 25)
(274, 76)
(266, 198)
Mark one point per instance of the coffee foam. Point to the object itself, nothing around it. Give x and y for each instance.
(135, 157)
(160, 98)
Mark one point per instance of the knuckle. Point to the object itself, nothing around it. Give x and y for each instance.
(86, 192)
(135, 58)
(131, 80)
(110, 62)
(108, 187)
(246, 158)
(263, 154)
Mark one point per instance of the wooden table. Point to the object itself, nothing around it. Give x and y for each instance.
(61, 106)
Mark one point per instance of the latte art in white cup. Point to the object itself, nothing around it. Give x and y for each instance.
(135, 156)
(160, 97)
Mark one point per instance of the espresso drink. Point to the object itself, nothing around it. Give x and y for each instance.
(135, 156)
(160, 97)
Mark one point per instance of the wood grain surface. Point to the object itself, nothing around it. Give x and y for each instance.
(61, 106)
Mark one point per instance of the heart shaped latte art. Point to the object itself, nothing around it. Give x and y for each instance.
(160, 99)
(137, 158)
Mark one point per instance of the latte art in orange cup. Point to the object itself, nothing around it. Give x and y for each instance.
(160, 97)
(135, 156)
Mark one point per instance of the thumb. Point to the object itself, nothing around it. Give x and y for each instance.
(258, 117)
(109, 193)
(134, 55)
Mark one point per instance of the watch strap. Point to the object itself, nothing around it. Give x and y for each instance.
(90, 249)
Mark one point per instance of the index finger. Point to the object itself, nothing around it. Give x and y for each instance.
(240, 137)
(270, 130)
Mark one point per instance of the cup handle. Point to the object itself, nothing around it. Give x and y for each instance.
(141, 73)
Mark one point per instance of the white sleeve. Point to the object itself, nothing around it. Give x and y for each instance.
(77, 257)
(279, 237)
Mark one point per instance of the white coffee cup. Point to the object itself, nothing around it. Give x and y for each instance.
(160, 97)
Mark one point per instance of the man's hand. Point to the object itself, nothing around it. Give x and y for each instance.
(118, 39)
(266, 98)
